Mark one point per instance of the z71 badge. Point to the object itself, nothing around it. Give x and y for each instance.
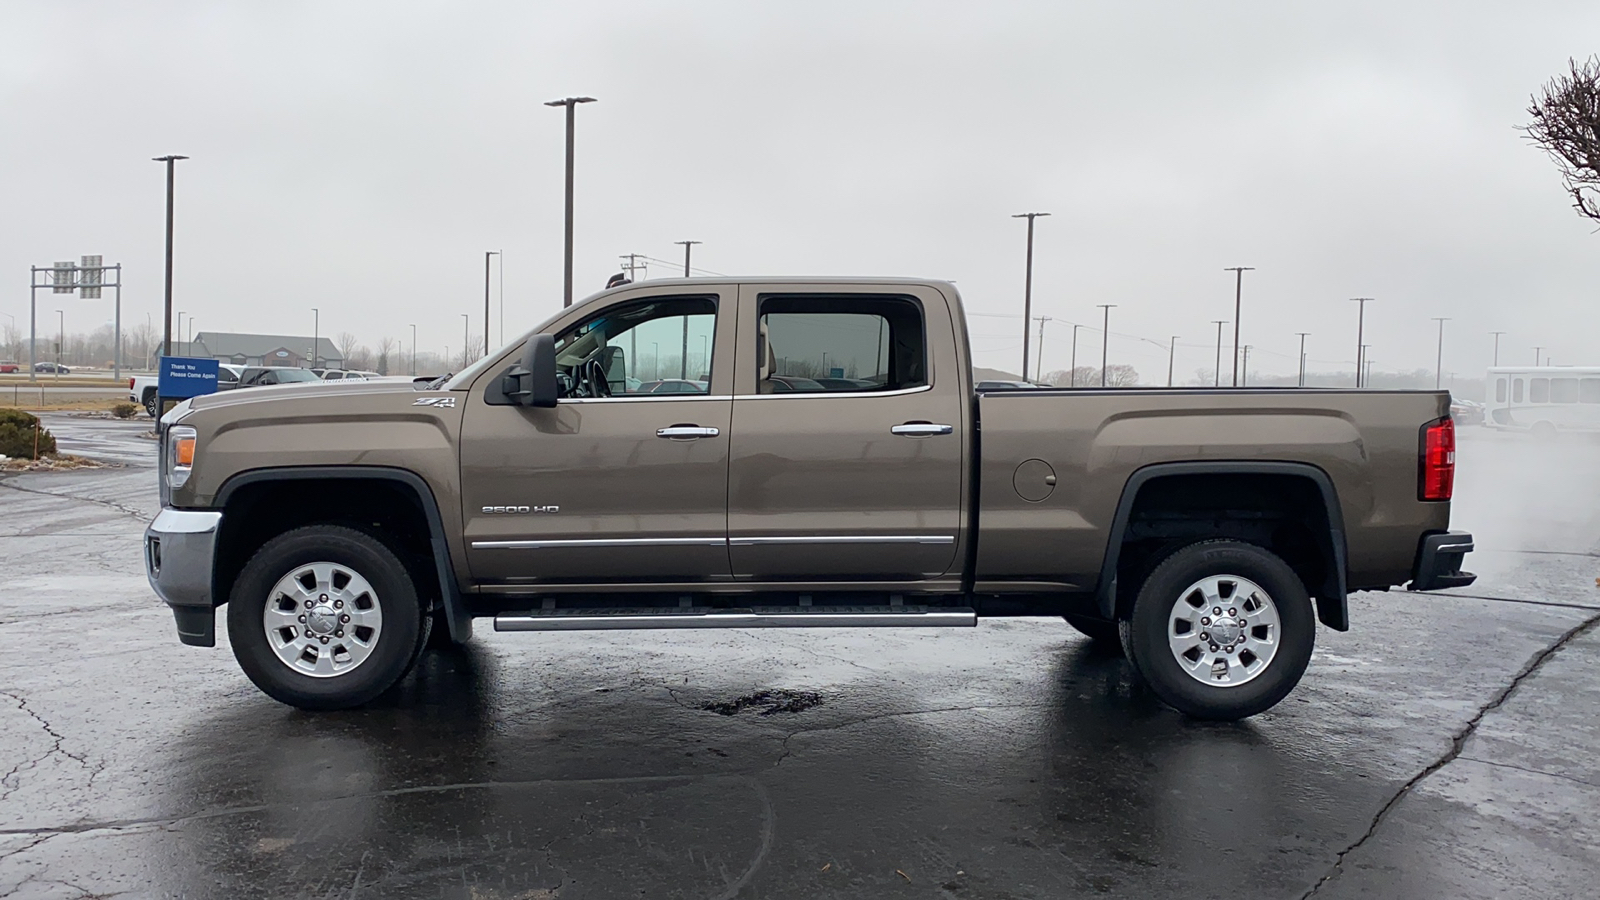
(437, 402)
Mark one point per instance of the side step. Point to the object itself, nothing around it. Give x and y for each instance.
(750, 617)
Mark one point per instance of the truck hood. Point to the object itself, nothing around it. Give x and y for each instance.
(313, 396)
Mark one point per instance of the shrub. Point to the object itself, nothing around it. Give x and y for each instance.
(124, 410)
(18, 434)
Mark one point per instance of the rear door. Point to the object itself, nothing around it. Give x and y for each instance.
(861, 481)
(611, 485)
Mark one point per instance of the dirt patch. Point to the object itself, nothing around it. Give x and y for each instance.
(770, 703)
(53, 463)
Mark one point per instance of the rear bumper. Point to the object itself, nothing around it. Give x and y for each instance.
(179, 550)
(1439, 559)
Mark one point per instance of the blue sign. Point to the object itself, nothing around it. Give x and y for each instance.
(835, 372)
(182, 377)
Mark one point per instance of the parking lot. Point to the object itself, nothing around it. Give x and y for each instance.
(1444, 747)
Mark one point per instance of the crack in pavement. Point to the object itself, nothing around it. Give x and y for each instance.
(11, 782)
(893, 715)
(1458, 742)
(141, 515)
(1502, 765)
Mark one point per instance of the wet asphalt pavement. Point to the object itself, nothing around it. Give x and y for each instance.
(1445, 747)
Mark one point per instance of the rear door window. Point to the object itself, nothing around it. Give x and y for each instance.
(839, 344)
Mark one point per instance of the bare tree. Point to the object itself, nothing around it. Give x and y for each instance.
(1566, 125)
(385, 348)
(11, 348)
(347, 344)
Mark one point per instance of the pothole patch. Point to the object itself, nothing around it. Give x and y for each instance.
(769, 702)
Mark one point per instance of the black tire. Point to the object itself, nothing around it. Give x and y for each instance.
(395, 649)
(1103, 632)
(150, 404)
(1156, 608)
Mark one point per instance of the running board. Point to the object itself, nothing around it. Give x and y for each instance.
(751, 617)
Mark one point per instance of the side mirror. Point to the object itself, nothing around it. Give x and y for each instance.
(532, 382)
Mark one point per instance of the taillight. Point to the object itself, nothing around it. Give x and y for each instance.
(130, 384)
(1437, 474)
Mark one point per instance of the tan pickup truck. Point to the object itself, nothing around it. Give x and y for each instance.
(790, 453)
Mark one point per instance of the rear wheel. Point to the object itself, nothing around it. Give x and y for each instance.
(1221, 630)
(150, 403)
(325, 617)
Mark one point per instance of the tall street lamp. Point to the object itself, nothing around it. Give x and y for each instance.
(1438, 366)
(166, 335)
(1238, 293)
(1536, 356)
(61, 340)
(486, 255)
(316, 335)
(1072, 377)
(571, 103)
(1105, 337)
(465, 322)
(1172, 352)
(1496, 347)
(1038, 365)
(1361, 323)
(180, 327)
(1027, 288)
(1302, 357)
(413, 350)
(1216, 373)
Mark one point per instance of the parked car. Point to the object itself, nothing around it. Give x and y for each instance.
(56, 368)
(7, 366)
(262, 376)
(672, 386)
(1202, 532)
(1466, 412)
(348, 375)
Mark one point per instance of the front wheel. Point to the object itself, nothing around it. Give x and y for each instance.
(1221, 630)
(324, 617)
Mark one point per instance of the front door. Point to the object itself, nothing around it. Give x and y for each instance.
(848, 437)
(613, 484)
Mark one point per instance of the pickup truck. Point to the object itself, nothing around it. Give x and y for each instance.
(143, 389)
(837, 468)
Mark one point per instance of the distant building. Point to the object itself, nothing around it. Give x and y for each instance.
(268, 350)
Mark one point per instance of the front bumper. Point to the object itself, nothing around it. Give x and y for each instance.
(179, 549)
(1439, 559)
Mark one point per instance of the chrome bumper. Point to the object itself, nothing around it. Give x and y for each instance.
(179, 549)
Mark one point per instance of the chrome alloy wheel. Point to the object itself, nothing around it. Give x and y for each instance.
(322, 619)
(1223, 630)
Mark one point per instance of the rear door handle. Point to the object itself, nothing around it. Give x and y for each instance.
(686, 432)
(921, 429)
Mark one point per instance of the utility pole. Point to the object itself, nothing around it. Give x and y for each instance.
(465, 323)
(1072, 377)
(1238, 294)
(1302, 357)
(166, 335)
(413, 350)
(1245, 373)
(1438, 366)
(316, 335)
(571, 103)
(687, 246)
(486, 255)
(1216, 379)
(1172, 352)
(1496, 347)
(1361, 323)
(1038, 364)
(1027, 288)
(633, 263)
(1367, 364)
(1536, 356)
(1105, 337)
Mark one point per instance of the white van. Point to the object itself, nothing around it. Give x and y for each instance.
(1543, 399)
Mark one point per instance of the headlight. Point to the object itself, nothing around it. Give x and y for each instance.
(181, 441)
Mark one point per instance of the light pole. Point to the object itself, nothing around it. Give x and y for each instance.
(1438, 366)
(166, 335)
(1238, 294)
(1072, 377)
(705, 355)
(413, 350)
(316, 335)
(486, 255)
(687, 246)
(61, 339)
(1365, 380)
(1536, 356)
(180, 327)
(1496, 347)
(1302, 357)
(1216, 373)
(1361, 323)
(1245, 373)
(190, 341)
(465, 322)
(1172, 351)
(1027, 288)
(1038, 365)
(571, 103)
(655, 353)
(1105, 337)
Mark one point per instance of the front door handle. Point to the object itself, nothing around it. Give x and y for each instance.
(686, 432)
(921, 429)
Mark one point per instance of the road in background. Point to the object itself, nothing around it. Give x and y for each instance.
(1442, 748)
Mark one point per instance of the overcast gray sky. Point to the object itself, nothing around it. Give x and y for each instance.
(360, 157)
